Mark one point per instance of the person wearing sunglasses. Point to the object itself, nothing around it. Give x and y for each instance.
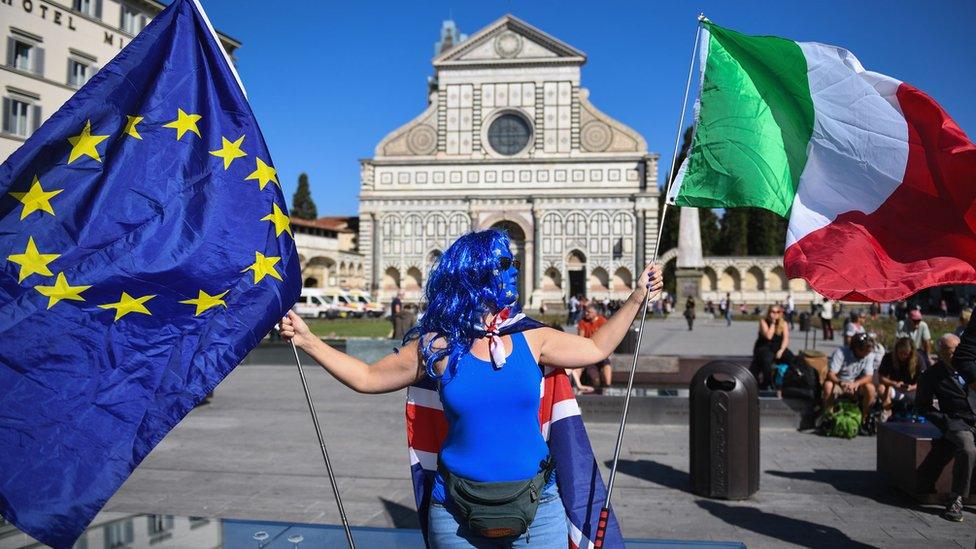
(772, 346)
(484, 360)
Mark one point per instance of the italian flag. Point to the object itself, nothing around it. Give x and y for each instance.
(877, 181)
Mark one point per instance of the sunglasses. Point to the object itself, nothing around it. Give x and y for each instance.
(504, 263)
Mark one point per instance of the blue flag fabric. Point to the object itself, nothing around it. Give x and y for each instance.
(144, 251)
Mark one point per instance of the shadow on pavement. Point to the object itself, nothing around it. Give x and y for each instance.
(658, 473)
(401, 515)
(868, 484)
(786, 529)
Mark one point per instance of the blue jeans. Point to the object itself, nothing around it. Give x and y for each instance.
(548, 529)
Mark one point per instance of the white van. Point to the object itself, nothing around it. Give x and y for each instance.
(314, 303)
(344, 304)
(372, 308)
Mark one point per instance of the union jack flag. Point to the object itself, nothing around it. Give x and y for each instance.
(577, 474)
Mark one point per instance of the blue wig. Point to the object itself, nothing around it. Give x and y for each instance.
(460, 291)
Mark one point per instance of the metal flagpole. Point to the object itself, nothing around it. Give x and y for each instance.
(605, 511)
(325, 453)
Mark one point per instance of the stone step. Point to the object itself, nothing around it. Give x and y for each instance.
(648, 406)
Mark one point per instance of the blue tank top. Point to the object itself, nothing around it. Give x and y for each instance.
(492, 414)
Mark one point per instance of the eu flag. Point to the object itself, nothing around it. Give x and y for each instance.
(144, 251)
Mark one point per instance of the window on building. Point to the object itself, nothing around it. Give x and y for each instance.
(91, 8)
(78, 73)
(119, 534)
(509, 134)
(15, 114)
(20, 116)
(25, 55)
(22, 56)
(132, 21)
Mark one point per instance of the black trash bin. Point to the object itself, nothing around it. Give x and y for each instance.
(724, 431)
(628, 345)
(804, 322)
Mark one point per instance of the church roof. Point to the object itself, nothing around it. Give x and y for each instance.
(528, 45)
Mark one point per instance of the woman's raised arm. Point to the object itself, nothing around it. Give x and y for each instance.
(564, 350)
(390, 373)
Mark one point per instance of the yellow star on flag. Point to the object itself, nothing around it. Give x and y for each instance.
(61, 290)
(263, 266)
(128, 304)
(130, 126)
(263, 173)
(280, 220)
(36, 198)
(205, 301)
(84, 144)
(229, 150)
(32, 261)
(184, 123)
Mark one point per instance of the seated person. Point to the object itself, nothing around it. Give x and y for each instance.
(851, 374)
(964, 317)
(602, 372)
(899, 373)
(855, 325)
(956, 414)
(772, 346)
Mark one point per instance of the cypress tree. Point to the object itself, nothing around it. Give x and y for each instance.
(733, 232)
(302, 205)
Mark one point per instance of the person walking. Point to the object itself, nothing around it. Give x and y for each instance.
(690, 312)
(790, 309)
(827, 319)
(728, 310)
(485, 378)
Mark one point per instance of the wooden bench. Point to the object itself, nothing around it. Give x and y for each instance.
(917, 460)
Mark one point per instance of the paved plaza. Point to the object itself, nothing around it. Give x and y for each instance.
(252, 454)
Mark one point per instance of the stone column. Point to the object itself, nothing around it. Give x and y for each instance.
(536, 254)
(374, 259)
(641, 237)
(689, 264)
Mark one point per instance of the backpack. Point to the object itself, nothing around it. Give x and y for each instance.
(800, 381)
(843, 421)
(778, 373)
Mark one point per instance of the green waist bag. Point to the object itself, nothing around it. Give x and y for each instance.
(497, 509)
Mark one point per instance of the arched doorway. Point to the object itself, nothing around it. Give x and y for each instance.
(576, 270)
(517, 236)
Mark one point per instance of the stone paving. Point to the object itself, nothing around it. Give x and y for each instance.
(713, 337)
(252, 454)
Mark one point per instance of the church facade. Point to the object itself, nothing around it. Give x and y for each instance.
(510, 139)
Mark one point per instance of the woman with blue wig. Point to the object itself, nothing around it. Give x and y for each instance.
(494, 485)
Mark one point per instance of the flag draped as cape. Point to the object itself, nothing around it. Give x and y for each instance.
(577, 474)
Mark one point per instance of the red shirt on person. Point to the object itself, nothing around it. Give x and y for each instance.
(589, 327)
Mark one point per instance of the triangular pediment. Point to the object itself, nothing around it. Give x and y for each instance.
(510, 40)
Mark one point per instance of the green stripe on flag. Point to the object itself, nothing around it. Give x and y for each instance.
(755, 120)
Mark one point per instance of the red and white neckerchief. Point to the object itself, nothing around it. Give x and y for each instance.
(493, 332)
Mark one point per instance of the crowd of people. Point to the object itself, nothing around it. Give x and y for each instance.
(915, 380)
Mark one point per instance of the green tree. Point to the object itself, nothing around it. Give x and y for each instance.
(733, 232)
(302, 205)
(767, 232)
(710, 228)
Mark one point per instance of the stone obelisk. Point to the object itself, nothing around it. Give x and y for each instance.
(690, 263)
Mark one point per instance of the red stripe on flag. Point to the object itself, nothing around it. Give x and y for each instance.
(426, 428)
(923, 235)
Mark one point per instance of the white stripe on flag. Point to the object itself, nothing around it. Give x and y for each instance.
(577, 536)
(427, 460)
(564, 409)
(424, 397)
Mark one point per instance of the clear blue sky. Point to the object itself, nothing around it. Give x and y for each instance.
(327, 80)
